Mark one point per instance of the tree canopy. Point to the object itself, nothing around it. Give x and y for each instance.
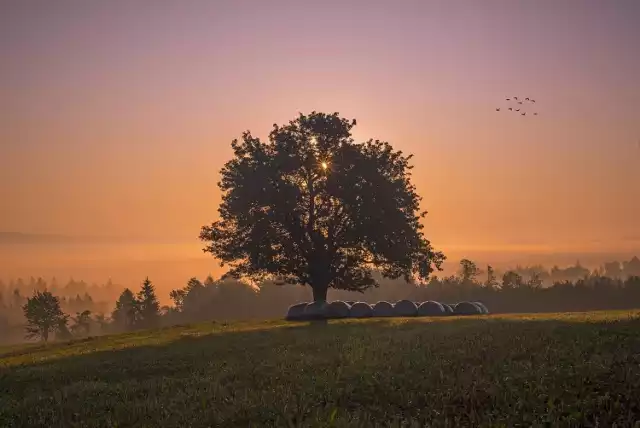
(44, 315)
(312, 206)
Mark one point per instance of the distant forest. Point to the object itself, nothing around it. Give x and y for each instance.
(615, 285)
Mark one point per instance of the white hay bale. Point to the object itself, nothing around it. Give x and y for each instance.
(448, 308)
(383, 309)
(361, 310)
(467, 308)
(405, 308)
(296, 312)
(431, 309)
(315, 310)
(482, 307)
(338, 309)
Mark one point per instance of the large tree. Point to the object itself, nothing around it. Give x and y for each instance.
(313, 207)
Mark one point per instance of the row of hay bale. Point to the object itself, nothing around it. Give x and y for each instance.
(402, 308)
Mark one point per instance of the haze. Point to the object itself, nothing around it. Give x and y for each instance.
(115, 118)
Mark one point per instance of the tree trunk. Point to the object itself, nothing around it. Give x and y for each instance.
(320, 292)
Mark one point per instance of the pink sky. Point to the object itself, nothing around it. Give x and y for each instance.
(116, 116)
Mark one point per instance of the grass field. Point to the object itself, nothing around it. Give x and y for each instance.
(528, 370)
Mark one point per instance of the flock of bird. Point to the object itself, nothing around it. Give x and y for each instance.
(519, 105)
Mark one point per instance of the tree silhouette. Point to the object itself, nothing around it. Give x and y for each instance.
(492, 281)
(125, 315)
(81, 322)
(148, 306)
(468, 271)
(180, 294)
(102, 322)
(311, 206)
(43, 315)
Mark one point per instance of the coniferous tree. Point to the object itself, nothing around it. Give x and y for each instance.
(125, 316)
(148, 305)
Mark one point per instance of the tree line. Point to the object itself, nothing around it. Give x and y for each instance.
(521, 289)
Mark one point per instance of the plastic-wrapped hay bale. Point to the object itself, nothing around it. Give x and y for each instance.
(361, 310)
(448, 309)
(405, 308)
(338, 309)
(296, 312)
(431, 309)
(383, 309)
(467, 308)
(315, 310)
(482, 307)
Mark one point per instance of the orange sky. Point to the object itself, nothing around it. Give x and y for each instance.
(115, 117)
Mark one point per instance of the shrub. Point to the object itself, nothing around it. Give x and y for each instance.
(405, 308)
(431, 309)
(383, 309)
(361, 310)
(338, 309)
(296, 312)
(467, 308)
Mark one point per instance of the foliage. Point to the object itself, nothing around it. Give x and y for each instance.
(125, 315)
(492, 281)
(44, 316)
(548, 370)
(315, 208)
(147, 305)
(178, 296)
(468, 271)
(81, 323)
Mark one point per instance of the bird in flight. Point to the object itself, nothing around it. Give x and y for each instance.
(515, 98)
(535, 114)
(517, 109)
(524, 114)
(511, 108)
(497, 109)
(526, 99)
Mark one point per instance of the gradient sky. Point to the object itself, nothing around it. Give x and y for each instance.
(116, 116)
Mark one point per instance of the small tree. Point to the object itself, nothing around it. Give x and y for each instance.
(148, 306)
(125, 315)
(468, 271)
(313, 207)
(492, 281)
(535, 282)
(102, 322)
(179, 295)
(44, 315)
(81, 323)
(512, 280)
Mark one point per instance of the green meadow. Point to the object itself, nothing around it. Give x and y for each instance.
(580, 369)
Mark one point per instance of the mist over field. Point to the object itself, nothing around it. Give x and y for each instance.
(126, 262)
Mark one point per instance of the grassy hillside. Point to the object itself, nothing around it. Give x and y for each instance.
(554, 370)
